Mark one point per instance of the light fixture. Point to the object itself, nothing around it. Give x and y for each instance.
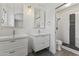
(29, 9)
(29, 6)
(68, 4)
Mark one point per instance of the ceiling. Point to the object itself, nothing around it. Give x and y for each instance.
(64, 7)
(49, 5)
(46, 5)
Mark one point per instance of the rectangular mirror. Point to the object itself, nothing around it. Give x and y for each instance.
(39, 18)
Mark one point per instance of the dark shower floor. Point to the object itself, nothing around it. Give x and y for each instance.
(73, 47)
(44, 52)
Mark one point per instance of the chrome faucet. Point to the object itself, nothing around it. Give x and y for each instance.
(39, 31)
(13, 35)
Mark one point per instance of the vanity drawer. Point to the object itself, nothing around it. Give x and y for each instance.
(41, 46)
(22, 51)
(40, 39)
(44, 38)
(13, 44)
(40, 42)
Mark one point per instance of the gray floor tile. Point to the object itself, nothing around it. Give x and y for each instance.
(44, 52)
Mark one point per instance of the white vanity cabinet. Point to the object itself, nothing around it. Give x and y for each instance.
(40, 42)
(17, 47)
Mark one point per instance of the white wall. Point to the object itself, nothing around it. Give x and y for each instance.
(50, 22)
(63, 27)
(12, 9)
(28, 23)
(52, 27)
(52, 30)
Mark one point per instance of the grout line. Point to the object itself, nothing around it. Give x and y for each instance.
(71, 50)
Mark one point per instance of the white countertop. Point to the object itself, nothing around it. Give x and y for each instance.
(39, 34)
(17, 36)
(20, 36)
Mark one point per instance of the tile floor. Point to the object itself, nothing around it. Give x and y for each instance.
(46, 52)
(65, 53)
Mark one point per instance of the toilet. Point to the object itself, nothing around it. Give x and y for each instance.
(58, 44)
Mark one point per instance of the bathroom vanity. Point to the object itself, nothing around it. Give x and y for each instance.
(12, 18)
(40, 41)
(17, 46)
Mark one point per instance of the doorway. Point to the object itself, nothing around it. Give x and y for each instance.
(67, 25)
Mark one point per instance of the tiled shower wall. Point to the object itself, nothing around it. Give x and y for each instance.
(64, 24)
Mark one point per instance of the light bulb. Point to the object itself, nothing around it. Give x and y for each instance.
(29, 10)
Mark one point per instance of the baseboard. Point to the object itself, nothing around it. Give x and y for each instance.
(71, 50)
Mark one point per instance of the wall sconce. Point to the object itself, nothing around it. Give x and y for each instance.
(29, 10)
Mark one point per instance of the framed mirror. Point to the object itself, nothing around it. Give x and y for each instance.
(39, 18)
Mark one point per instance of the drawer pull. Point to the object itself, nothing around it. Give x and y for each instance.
(12, 41)
(12, 52)
(43, 42)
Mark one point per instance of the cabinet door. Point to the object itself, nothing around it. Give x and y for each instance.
(19, 47)
(21, 51)
(40, 42)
